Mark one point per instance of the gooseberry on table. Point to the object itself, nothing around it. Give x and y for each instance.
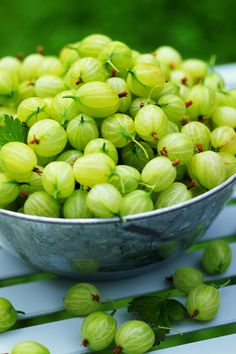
(203, 302)
(217, 257)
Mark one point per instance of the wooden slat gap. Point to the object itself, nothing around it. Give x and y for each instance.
(27, 279)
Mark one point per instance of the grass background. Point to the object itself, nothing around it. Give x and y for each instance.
(196, 28)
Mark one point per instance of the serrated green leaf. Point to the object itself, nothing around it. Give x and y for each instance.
(176, 310)
(147, 307)
(157, 312)
(11, 129)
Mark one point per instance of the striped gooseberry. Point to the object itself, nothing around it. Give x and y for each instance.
(135, 202)
(203, 302)
(151, 123)
(8, 314)
(159, 173)
(134, 337)
(97, 99)
(146, 80)
(217, 257)
(98, 330)
(177, 147)
(82, 299)
(29, 347)
(176, 193)
(208, 168)
(187, 278)
(93, 169)
(75, 206)
(104, 200)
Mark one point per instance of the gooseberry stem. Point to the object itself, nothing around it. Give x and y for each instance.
(64, 120)
(132, 138)
(113, 312)
(112, 65)
(73, 97)
(212, 62)
(55, 194)
(141, 184)
(20, 312)
(171, 329)
(121, 181)
(151, 91)
(122, 220)
(218, 286)
(71, 47)
(38, 110)
(141, 147)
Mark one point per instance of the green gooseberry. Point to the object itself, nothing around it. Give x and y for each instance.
(187, 278)
(208, 168)
(134, 337)
(98, 330)
(217, 257)
(82, 299)
(203, 302)
(8, 315)
(29, 347)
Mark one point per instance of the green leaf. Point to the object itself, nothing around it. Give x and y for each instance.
(146, 307)
(157, 312)
(11, 129)
(176, 310)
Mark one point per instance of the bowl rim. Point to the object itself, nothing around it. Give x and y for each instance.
(133, 217)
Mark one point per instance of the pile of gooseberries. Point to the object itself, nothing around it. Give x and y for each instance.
(109, 128)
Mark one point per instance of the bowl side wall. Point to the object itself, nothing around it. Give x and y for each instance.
(111, 250)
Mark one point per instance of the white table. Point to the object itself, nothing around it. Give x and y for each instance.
(40, 296)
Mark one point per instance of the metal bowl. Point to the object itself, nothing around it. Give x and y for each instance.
(100, 249)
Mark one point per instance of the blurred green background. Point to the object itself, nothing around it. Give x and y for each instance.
(196, 28)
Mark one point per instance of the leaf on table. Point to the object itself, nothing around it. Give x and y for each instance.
(11, 129)
(176, 310)
(147, 307)
(158, 312)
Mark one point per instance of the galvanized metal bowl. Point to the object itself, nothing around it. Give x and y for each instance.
(99, 249)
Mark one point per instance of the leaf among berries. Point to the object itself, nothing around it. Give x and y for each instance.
(11, 129)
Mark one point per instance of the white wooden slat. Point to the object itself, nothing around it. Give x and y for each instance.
(47, 296)
(63, 337)
(37, 297)
(223, 225)
(224, 344)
